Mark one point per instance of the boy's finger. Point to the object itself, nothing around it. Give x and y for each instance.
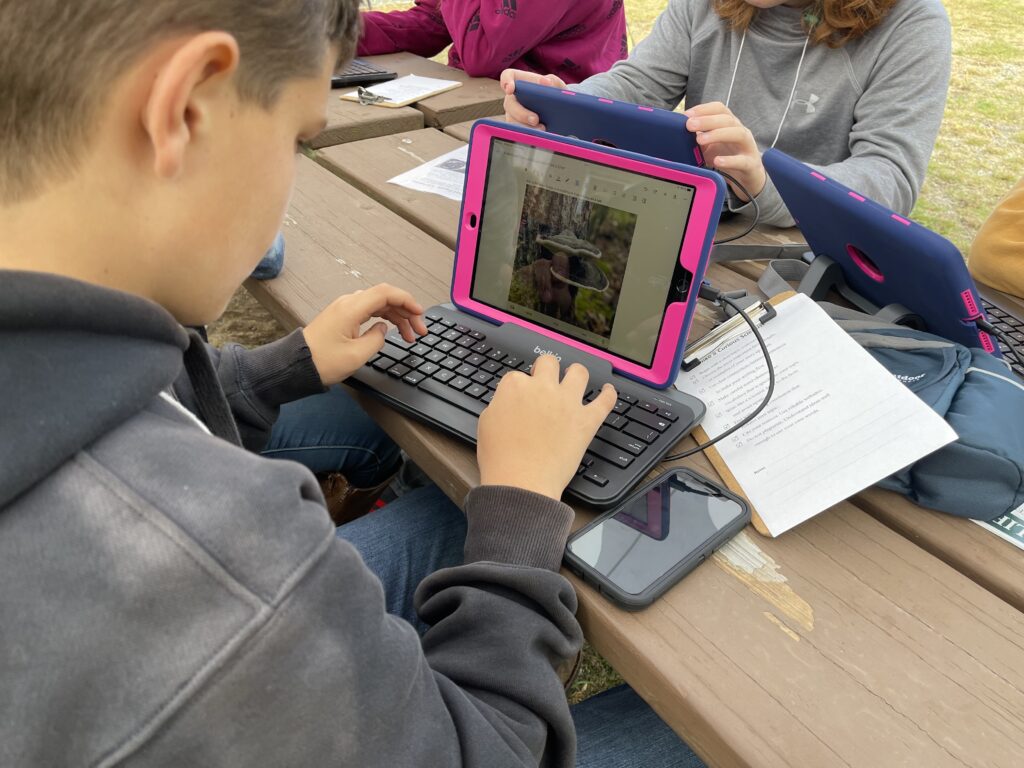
(374, 301)
(603, 404)
(545, 366)
(576, 378)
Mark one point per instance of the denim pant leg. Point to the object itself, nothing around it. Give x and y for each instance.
(617, 729)
(416, 534)
(331, 433)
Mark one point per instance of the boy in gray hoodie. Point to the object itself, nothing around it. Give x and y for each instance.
(166, 596)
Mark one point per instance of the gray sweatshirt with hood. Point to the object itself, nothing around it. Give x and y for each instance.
(169, 598)
(866, 114)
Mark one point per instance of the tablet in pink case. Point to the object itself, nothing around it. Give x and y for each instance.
(599, 249)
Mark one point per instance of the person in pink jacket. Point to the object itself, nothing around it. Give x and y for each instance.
(571, 38)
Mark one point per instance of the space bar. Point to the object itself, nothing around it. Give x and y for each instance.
(453, 396)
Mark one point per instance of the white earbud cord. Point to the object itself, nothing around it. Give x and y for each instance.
(792, 91)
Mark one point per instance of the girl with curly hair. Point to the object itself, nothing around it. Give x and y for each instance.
(855, 88)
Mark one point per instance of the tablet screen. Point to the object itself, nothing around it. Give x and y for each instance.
(583, 249)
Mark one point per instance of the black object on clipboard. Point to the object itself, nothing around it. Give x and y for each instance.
(359, 72)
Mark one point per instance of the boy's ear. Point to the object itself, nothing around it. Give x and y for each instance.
(182, 95)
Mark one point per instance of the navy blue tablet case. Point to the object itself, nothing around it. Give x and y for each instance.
(645, 130)
(885, 257)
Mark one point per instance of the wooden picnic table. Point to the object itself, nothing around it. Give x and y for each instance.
(843, 642)
(350, 121)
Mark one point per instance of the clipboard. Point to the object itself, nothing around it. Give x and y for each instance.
(712, 454)
(425, 87)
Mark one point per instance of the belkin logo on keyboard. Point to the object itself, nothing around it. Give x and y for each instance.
(539, 351)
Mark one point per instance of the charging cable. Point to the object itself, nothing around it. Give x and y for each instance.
(990, 329)
(713, 294)
(752, 200)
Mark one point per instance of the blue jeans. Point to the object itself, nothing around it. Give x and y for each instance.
(331, 433)
(421, 532)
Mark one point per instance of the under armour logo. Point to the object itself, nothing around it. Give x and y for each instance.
(508, 8)
(474, 23)
(808, 103)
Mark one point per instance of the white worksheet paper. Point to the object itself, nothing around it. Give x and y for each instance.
(409, 88)
(1010, 526)
(444, 175)
(837, 423)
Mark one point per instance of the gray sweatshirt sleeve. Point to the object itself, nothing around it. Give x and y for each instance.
(332, 679)
(656, 71)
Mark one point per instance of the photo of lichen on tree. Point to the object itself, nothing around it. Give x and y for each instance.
(571, 258)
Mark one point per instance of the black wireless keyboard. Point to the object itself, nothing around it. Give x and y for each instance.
(1012, 328)
(448, 377)
(359, 72)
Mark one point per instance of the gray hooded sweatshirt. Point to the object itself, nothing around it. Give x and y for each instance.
(169, 598)
(866, 114)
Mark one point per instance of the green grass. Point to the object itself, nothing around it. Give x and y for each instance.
(979, 154)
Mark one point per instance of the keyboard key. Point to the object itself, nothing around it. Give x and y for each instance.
(491, 366)
(394, 353)
(620, 440)
(382, 363)
(587, 461)
(477, 335)
(429, 369)
(459, 383)
(599, 480)
(444, 346)
(447, 323)
(399, 342)
(466, 341)
(487, 396)
(451, 335)
(475, 360)
(433, 316)
(667, 415)
(481, 377)
(647, 406)
(496, 354)
(421, 350)
(480, 348)
(414, 378)
(444, 375)
(414, 362)
(465, 370)
(610, 453)
(449, 395)
(476, 390)
(398, 370)
(435, 356)
(430, 339)
(451, 363)
(641, 432)
(615, 421)
(621, 406)
(631, 399)
(460, 352)
(512, 361)
(461, 329)
(652, 421)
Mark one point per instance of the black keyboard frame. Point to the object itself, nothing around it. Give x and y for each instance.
(360, 72)
(1010, 326)
(638, 433)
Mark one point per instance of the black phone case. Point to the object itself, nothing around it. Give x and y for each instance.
(688, 563)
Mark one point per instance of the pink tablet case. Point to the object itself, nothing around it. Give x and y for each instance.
(709, 190)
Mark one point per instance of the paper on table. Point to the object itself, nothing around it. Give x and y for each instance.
(1010, 526)
(838, 422)
(444, 175)
(406, 90)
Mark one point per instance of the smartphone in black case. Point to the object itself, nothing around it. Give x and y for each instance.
(664, 530)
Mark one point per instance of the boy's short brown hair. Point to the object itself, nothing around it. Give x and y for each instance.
(57, 57)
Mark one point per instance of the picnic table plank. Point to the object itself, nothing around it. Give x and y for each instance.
(337, 240)
(461, 131)
(350, 121)
(367, 165)
(476, 97)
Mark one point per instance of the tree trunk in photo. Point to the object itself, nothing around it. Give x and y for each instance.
(546, 212)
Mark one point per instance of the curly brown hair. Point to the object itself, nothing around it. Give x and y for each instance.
(839, 21)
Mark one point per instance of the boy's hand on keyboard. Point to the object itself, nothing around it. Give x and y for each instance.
(335, 343)
(535, 431)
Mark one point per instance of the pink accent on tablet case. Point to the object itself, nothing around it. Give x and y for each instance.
(693, 254)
